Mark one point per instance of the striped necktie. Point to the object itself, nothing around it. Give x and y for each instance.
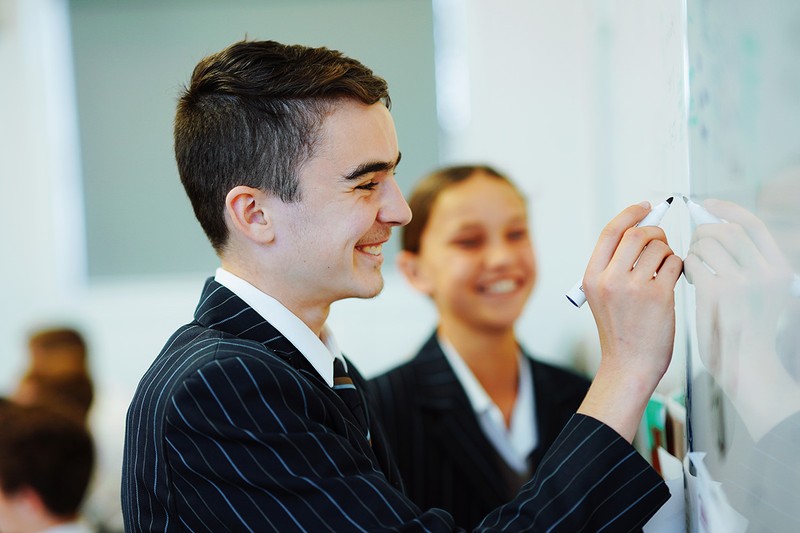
(346, 389)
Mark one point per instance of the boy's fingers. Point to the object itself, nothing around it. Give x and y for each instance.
(636, 242)
(652, 259)
(612, 234)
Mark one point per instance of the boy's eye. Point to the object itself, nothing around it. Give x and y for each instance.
(368, 186)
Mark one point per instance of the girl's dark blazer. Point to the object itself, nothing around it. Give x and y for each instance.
(231, 429)
(445, 459)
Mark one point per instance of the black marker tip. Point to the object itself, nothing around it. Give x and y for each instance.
(669, 200)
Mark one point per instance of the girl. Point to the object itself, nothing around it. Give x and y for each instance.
(470, 416)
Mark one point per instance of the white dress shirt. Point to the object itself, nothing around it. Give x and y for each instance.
(513, 443)
(319, 351)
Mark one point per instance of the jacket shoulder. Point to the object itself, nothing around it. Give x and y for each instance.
(193, 348)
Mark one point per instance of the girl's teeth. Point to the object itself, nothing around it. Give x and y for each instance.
(500, 287)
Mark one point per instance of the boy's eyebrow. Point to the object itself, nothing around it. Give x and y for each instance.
(368, 168)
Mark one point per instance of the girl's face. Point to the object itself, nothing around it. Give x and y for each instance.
(476, 258)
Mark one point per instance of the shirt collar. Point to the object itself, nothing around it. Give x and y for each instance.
(517, 441)
(478, 398)
(319, 351)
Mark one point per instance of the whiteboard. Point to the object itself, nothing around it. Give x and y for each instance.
(743, 390)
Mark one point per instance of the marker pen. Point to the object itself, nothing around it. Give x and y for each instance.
(576, 294)
(701, 216)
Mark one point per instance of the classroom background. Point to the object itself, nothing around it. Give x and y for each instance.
(588, 106)
(97, 229)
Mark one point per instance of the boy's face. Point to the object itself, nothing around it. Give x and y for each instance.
(476, 258)
(332, 238)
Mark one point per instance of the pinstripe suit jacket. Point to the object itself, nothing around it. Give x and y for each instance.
(232, 430)
(444, 457)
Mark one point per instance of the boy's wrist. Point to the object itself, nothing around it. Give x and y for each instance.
(618, 400)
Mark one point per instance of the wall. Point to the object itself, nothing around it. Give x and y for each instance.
(38, 172)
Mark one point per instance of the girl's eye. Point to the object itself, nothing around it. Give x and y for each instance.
(467, 243)
(368, 186)
(517, 235)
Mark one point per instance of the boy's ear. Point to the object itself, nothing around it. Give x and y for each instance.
(409, 265)
(246, 209)
(28, 502)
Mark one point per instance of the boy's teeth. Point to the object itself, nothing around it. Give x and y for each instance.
(372, 250)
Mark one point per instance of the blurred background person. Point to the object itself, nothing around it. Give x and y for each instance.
(57, 372)
(46, 461)
(471, 415)
(58, 375)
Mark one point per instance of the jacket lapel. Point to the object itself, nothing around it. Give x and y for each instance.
(451, 420)
(221, 309)
(552, 399)
(543, 388)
